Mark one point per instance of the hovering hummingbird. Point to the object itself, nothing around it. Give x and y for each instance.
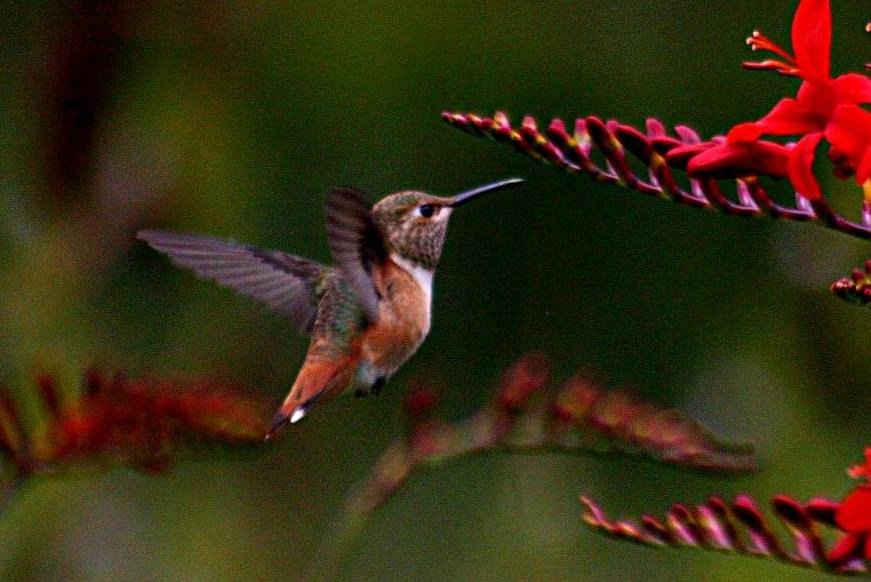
(368, 314)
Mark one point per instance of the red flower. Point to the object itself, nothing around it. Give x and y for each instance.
(849, 132)
(823, 106)
(735, 160)
(854, 517)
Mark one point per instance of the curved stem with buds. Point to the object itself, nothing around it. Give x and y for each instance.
(740, 527)
(572, 151)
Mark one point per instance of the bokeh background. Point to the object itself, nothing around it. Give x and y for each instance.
(234, 119)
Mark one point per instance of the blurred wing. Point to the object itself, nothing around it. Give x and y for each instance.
(355, 243)
(286, 283)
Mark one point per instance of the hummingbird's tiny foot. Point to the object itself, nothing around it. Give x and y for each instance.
(378, 385)
(359, 393)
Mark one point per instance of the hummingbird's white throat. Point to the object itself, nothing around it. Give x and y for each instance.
(422, 275)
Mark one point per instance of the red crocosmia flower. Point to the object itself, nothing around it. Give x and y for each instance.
(820, 97)
(849, 132)
(854, 513)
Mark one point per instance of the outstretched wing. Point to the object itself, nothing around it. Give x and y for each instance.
(355, 243)
(286, 283)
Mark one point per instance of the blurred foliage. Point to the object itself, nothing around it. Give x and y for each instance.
(234, 118)
(527, 414)
(145, 424)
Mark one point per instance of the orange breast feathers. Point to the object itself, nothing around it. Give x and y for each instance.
(403, 317)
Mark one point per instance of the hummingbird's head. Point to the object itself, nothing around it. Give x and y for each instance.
(413, 224)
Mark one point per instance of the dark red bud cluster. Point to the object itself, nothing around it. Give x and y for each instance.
(856, 288)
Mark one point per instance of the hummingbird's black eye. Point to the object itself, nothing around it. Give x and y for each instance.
(426, 210)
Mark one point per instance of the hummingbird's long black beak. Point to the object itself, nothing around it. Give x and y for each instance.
(468, 195)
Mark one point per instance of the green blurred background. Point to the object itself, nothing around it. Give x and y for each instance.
(234, 118)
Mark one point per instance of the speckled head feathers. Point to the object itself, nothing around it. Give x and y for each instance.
(413, 224)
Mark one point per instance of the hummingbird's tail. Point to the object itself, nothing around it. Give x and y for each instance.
(282, 416)
(316, 379)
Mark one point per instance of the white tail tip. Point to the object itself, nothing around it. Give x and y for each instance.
(298, 414)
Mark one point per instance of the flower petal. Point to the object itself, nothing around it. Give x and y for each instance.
(744, 132)
(852, 88)
(787, 117)
(854, 514)
(849, 130)
(817, 98)
(812, 38)
(680, 156)
(863, 172)
(801, 161)
(735, 160)
(845, 549)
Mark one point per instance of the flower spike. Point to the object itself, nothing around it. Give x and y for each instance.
(827, 108)
(528, 413)
(741, 527)
(666, 157)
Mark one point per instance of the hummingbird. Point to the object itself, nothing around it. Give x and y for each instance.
(367, 314)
